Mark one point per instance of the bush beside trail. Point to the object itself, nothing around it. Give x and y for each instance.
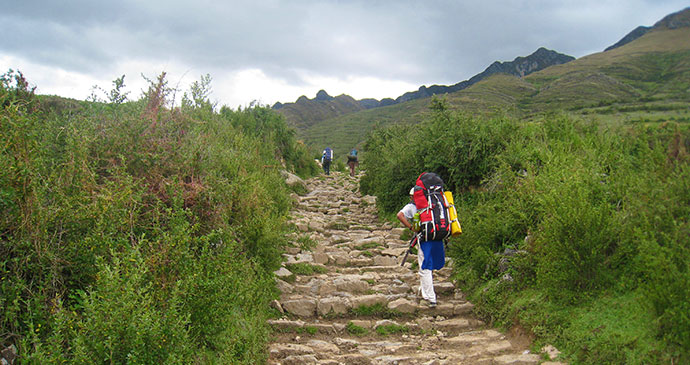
(574, 231)
(136, 232)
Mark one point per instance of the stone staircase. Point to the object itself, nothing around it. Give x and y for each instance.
(349, 301)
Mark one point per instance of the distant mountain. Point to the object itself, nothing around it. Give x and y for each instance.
(305, 112)
(520, 66)
(672, 21)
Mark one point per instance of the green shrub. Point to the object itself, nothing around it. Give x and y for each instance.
(123, 321)
(452, 145)
(132, 232)
(588, 212)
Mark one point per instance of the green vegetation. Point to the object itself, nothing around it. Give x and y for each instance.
(355, 330)
(306, 242)
(133, 232)
(311, 330)
(392, 329)
(597, 218)
(367, 254)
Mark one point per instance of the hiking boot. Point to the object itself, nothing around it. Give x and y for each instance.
(432, 304)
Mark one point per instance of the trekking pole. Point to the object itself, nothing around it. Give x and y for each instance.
(413, 241)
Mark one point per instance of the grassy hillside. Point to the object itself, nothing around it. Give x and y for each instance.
(647, 80)
(348, 131)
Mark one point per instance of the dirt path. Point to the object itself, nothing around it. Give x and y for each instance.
(361, 306)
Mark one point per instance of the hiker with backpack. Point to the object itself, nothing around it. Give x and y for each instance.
(326, 159)
(432, 216)
(352, 161)
(433, 251)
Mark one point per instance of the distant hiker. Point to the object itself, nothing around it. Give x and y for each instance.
(430, 254)
(352, 161)
(326, 159)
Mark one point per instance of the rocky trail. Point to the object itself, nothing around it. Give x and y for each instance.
(347, 300)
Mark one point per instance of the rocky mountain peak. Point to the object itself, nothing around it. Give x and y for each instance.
(520, 66)
(322, 95)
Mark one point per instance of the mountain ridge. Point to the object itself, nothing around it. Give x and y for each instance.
(645, 80)
(305, 112)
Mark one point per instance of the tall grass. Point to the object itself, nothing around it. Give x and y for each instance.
(136, 232)
(561, 218)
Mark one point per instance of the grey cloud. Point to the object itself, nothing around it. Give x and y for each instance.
(442, 41)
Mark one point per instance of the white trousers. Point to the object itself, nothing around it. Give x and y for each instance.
(426, 279)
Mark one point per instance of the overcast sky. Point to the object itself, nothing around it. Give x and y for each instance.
(278, 50)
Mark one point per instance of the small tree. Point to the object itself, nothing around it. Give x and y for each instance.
(116, 95)
(198, 97)
(155, 97)
(15, 88)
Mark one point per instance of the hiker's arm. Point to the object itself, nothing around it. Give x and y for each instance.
(404, 221)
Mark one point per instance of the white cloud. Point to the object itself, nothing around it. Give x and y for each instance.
(359, 87)
(51, 80)
(240, 88)
(274, 50)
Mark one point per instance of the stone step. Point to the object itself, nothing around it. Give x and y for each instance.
(352, 260)
(305, 306)
(364, 356)
(424, 323)
(406, 348)
(336, 316)
(331, 283)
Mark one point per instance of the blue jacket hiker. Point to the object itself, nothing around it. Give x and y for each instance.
(326, 159)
